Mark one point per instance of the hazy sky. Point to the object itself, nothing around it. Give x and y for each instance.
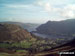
(36, 11)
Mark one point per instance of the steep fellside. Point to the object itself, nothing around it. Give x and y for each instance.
(57, 27)
(11, 32)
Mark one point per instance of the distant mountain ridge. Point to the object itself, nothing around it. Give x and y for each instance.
(29, 26)
(57, 27)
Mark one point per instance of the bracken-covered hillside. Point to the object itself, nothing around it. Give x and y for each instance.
(11, 32)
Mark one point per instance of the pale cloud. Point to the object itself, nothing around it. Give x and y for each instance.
(40, 3)
(70, 7)
(47, 6)
(68, 14)
(16, 6)
(68, 11)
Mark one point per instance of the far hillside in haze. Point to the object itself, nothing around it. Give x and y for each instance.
(65, 27)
